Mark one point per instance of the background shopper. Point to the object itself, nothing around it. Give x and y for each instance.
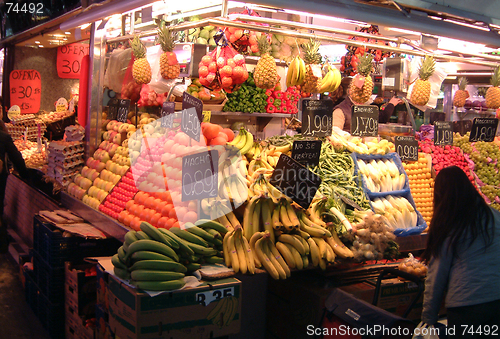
(463, 254)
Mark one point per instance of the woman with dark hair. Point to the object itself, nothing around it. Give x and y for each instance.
(463, 254)
(10, 151)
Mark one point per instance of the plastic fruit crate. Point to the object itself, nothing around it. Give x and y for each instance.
(31, 290)
(51, 315)
(50, 280)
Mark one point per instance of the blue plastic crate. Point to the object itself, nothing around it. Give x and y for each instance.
(31, 290)
(51, 315)
(50, 280)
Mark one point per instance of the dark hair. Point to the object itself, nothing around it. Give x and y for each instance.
(2, 126)
(460, 213)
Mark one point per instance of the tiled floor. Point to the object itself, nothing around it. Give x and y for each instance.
(17, 320)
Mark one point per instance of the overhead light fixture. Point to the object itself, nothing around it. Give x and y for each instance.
(40, 46)
(325, 17)
(467, 25)
(85, 25)
(37, 42)
(405, 31)
(67, 33)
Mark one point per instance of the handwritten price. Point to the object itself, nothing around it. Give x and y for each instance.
(365, 126)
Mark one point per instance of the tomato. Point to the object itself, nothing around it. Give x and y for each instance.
(135, 224)
(140, 197)
(162, 222)
(122, 215)
(172, 213)
(192, 206)
(167, 197)
(129, 203)
(133, 209)
(229, 132)
(139, 210)
(190, 216)
(218, 141)
(212, 130)
(154, 219)
(149, 202)
(176, 224)
(160, 205)
(128, 220)
(223, 136)
(165, 211)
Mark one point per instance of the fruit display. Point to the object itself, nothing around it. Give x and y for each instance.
(247, 99)
(64, 160)
(283, 102)
(355, 144)
(115, 202)
(381, 174)
(243, 141)
(493, 93)
(296, 72)
(461, 94)
(141, 69)
(312, 59)
(149, 97)
(285, 47)
(449, 155)
(197, 90)
(265, 73)
(421, 184)
(29, 151)
(331, 80)
(157, 259)
(222, 68)
(202, 35)
(397, 210)
(169, 65)
(237, 252)
(421, 92)
(413, 266)
(361, 86)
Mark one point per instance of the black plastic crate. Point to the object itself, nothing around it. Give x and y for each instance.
(50, 280)
(51, 315)
(31, 290)
(55, 249)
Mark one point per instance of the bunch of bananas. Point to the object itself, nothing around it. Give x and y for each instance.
(261, 186)
(237, 252)
(257, 216)
(233, 183)
(254, 151)
(243, 141)
(331, 81)
(268, 256)
(157, 259)
(296, 72)
(224, 311)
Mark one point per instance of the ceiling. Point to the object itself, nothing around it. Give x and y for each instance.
(54, 38)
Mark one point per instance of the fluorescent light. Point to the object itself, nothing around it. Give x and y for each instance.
(434, 17)
(67, 32)
(325, 17)
(85, 25)
(41, 46)
(467, 25)
(37, 42)
(394, 29)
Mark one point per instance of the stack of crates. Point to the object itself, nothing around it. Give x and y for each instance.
(46, 284)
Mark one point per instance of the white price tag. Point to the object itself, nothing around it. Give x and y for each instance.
(205, 298)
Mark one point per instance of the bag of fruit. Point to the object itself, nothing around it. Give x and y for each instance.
(130, 89)
(223, 68)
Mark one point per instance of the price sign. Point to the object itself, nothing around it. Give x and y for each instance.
(317, 117)
(207, 297)
(207, 115)
(306, 152)
(407, 148)
(200, 175)
(113, 108)
(69, 60)
(192, 116)
(26, 90)
(167, 114)
(121, 107)
(364, 120)
(443, 133)
(295, 181)
(483, 129)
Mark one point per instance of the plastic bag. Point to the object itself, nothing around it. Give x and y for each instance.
(117, 68)
(157, 83)
(424, 331)
(149, 97)
(436, 80)
(413, 266)
(130, 89)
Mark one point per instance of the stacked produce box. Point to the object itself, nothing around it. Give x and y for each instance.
(65, 160)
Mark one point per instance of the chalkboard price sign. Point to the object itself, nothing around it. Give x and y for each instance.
(317, 117)
(295, 181)
(443, 133)
(483, 129)
(192, 115)
(306, 152)
(200, 175)
(406, 147)
(113, 108)
(364, 120)
(167, 114)
(123, 109)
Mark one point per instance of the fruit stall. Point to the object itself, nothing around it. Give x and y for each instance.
(182, 172)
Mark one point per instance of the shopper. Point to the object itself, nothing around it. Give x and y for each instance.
(8, 151)
(342, 112)
(463, 254)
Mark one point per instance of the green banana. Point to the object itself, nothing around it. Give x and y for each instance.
(121, 273)
(152, 275)
(214, 260)
(141, 235)
(189, 237)
(214, 233)
(115, 260)
(122, 255)
(182, 244)
(205, 251)
(193, 266)
(148, 255)
(153, 233)
(159, 285)
(158, 265)
(151, 245)
(207, 223)
(192, 228)
(130, 237)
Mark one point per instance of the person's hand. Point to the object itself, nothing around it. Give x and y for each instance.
(395, 101)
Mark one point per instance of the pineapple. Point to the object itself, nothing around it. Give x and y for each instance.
(312, 59)
(361, 86)
(265, 74)
(462, 94)
(493, 92)
(422, 89)
(141, 70)
(169, 66)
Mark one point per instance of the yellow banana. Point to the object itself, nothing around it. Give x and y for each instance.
(274, 261)
(299, 263)
(285, 220)
(292, 215)
(264, 259)
(322, 247)
(326, 82)
(249, 255)
(315, 254)
(286, 254)
(255, 223)
(248, 217)
(277, 225)
(277, 256)
(266, 212)
(238, 244)
(302, 71)
(303, 239)
(252, 242)
(242, 142)
(248, 144)
(225, 249)
(235, 263)
(290, 239)
(331, 254)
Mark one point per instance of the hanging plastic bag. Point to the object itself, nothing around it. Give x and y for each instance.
(158, 83)
(436, 80)
(424, 331)
(130, 89)
(117, 68)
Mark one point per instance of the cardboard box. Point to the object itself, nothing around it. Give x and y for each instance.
(395, 296)
(102, 299)
(134, 314)
(75, 326)
(102, 330)
(80, 288)
(363, 291)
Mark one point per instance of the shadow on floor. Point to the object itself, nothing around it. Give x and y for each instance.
(17, 320)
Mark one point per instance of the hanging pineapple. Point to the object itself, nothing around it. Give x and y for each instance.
(462, 94)
(422, 89)
(361, 86)
(141, 70)
(169, 66)
(493, 92)
(312, 59)
(265, 74)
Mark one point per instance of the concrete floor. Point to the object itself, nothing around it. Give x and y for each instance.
(17, 320)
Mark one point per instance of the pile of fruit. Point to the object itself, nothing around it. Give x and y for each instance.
(413, 266)
(283, 102)
(421, 185)
(207, 96)
(247, 99)
(445, 156)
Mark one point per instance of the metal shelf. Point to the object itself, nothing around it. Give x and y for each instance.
(258, 115)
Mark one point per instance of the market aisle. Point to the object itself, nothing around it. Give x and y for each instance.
(17, 320)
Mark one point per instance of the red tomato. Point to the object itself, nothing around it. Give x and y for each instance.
(212, 130)
(166, 210)
(181, 211)
(154, 219)
(135, 224)
(128, 220)
(162, 222)
(172, 213)
(230, 134)
(129, 203)
(149, 202)
(223, 135)
(218, 141)
(160, 205)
